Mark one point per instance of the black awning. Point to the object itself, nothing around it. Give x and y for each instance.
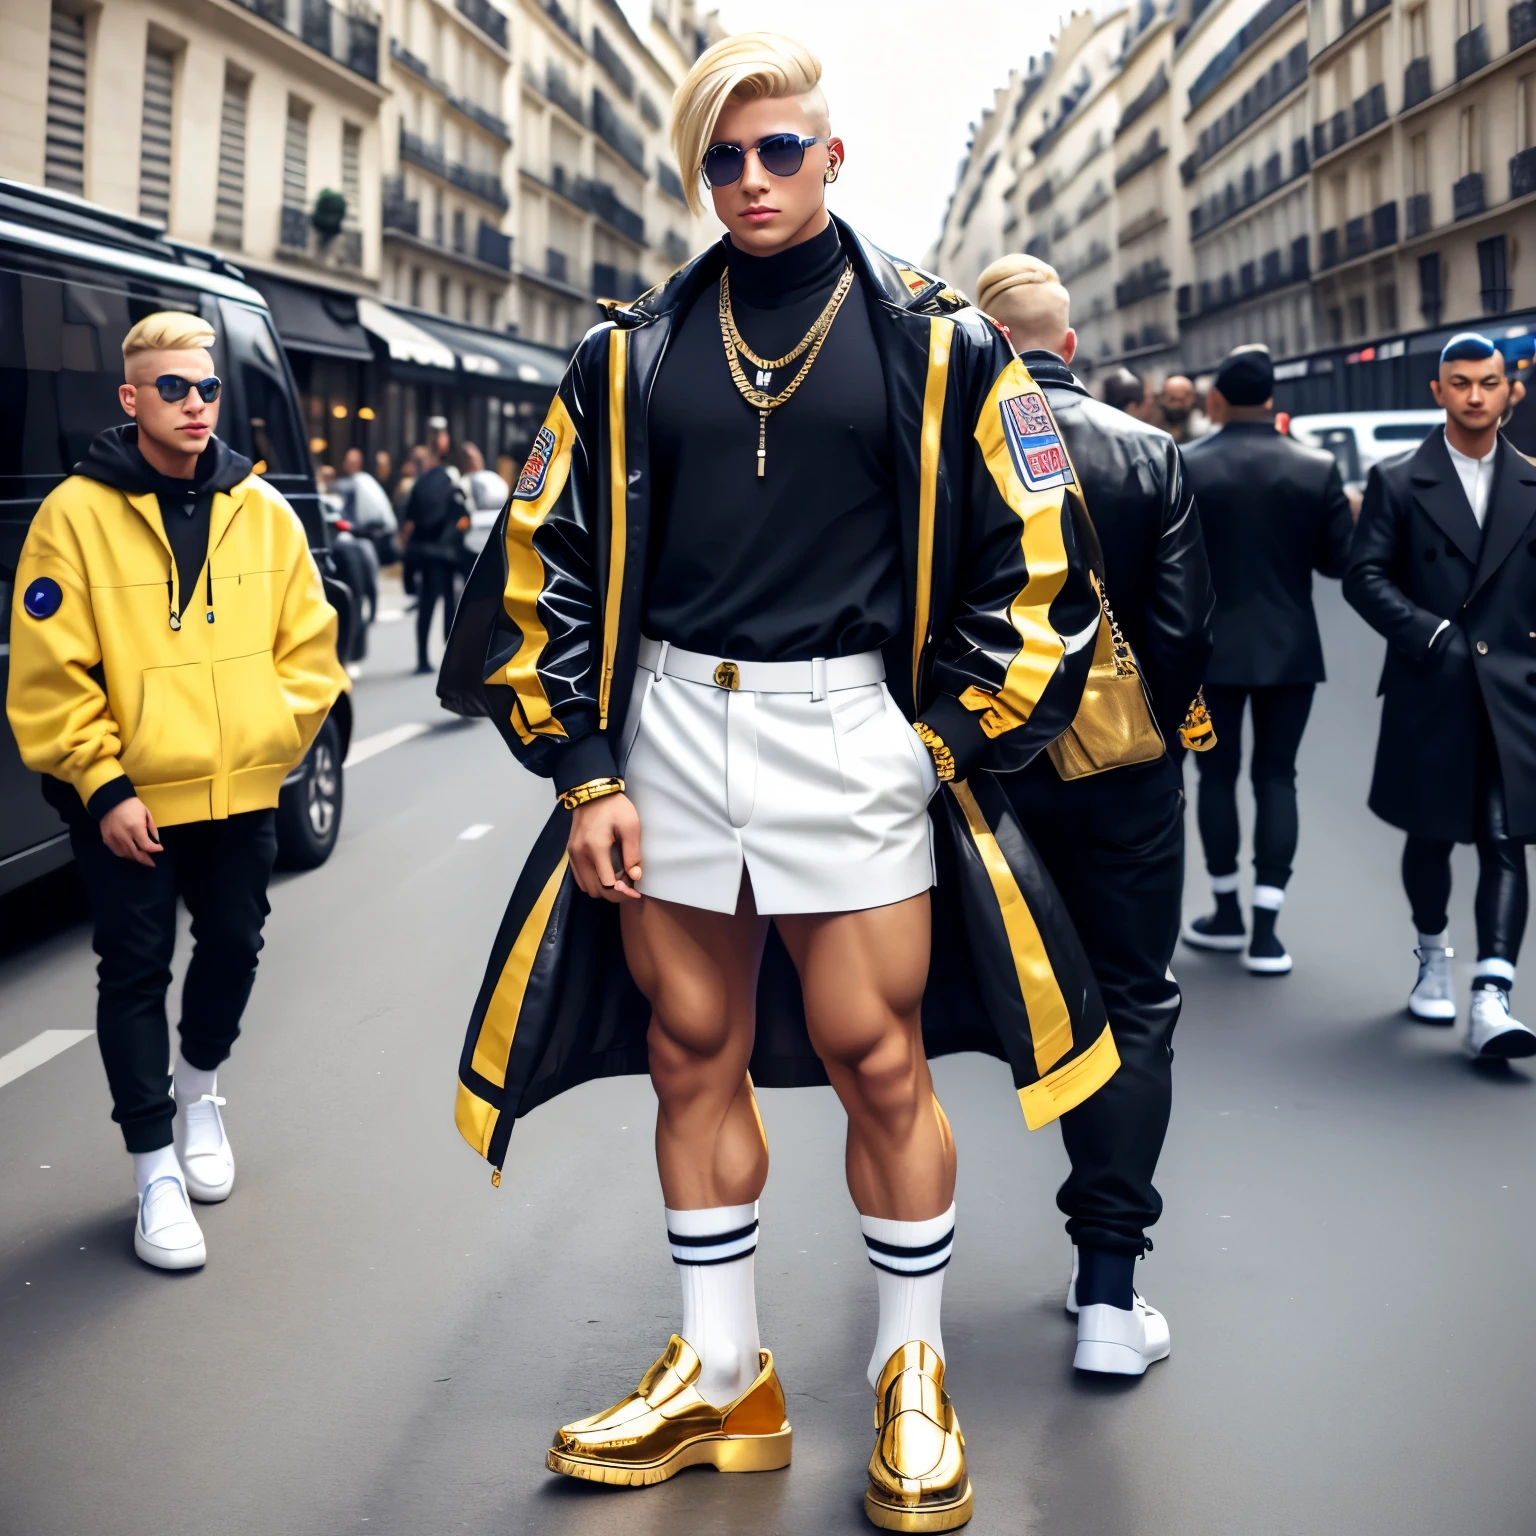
(315, 320)
(495, 356)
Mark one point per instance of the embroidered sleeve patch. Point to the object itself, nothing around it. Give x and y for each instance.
(1038, 455)
(536, 467)
(43, 598)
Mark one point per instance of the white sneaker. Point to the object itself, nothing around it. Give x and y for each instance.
(1115, 1342)
(166, 1233)
(206, 1157)
(1434, 994)
(1491, 1033)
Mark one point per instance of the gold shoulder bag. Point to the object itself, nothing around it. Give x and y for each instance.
(1114, 727)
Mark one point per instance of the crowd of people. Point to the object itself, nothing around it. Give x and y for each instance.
(872, 598)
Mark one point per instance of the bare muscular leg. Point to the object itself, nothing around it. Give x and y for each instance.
(698, 971)
(862, 975)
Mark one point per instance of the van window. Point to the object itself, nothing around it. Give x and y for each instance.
(261, 385)
(1403, 431)
(1340, 442)
(61, 362)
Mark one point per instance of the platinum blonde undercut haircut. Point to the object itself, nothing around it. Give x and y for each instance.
(169, 330)
(747, 66)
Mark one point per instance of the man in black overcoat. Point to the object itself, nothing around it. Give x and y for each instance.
(1444, 565)
(1272, 511)
(1114, 841)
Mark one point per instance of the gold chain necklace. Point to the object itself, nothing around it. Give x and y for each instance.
(810, 344)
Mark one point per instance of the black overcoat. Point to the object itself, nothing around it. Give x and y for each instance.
(1418, 559)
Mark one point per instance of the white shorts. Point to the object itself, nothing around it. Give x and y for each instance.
(805, 774)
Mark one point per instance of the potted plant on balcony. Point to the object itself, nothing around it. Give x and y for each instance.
(328, 215)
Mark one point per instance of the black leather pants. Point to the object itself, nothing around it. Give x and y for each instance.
(1503, 894)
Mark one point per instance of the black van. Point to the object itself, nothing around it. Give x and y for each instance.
(73, 278)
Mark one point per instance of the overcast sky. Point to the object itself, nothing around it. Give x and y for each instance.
(903, 80)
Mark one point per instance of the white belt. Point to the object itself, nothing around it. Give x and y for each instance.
(818, 678)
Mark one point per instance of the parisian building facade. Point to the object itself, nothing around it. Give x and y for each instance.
(1342, 180)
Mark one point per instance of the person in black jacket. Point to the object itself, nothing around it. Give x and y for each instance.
(1444, 565)
(436, 518)
(1273, 511)
(1114, 842)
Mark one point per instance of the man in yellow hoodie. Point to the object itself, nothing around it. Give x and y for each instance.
(172, 657)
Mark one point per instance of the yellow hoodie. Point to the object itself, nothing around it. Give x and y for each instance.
(207, 719)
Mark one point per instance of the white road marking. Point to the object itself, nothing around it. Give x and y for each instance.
(472, 834)
(37, 1050)
(371, 746)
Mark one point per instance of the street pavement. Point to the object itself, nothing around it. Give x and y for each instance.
(382, 1343)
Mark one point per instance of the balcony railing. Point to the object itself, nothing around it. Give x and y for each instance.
(1301, 259)
(1471, 52)
(556, 265)
(1338, 130)
(1184, 300)
(400, 213)
(487, 18)
(1328, 249)
(1467, 199)
(1271, 270)
(1370, 110)
(602, 200)
(1247, 279)
(1417, 215)
(1357, 238)
(493, 248)
(417, 151)
(1149, 93)
(351, 37)
(1522, 173)
(297, 235)
(1149, 278)
(559, 90)
(293, 229)
(608, 282)
(1040, 198)
(670, 183)
(625, 140)
(419, 67)
(1417, 85)
(1353, 11)
(1522, 23)
(558, 14)
(485, 185)
(1383, 226)
(612, 64)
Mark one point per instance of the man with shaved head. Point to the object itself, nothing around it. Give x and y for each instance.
(1442, 566)
(1114, 841)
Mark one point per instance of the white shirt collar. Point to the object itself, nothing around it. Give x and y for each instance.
(1457, 456)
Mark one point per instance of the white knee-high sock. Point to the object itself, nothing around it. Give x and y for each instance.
(715, 1252)
(910, 1258)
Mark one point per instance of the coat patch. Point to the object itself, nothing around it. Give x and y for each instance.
(536, 467)
(1033, 442)
(43, 598)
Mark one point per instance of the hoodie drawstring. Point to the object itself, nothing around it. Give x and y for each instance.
(208, 568)
(170, 597)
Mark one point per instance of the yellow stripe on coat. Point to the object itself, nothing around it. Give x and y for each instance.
(618, 485)
(939, 333)
(1050, 1025)
(1045, 563)
(1068, 1086)
(494, 1045)
(525, 581)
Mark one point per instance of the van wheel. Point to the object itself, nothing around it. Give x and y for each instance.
(309, 808)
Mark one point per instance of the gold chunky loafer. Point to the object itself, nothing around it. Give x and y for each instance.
(917, 1476)
(664, 1426)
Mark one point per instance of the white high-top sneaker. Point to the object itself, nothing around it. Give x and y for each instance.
(1114, 1342)
(1491, 1033)
(206, 1157)
(166, 1233)
(1434, 994)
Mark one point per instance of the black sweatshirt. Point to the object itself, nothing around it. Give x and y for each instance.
(805, 561)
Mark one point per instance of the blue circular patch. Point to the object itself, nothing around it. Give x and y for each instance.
(42, 598)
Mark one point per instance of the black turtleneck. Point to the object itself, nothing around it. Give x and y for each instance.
(805, 561)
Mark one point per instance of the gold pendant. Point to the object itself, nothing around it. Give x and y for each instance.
(762, 442)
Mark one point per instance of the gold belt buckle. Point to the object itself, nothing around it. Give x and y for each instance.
(728, 675)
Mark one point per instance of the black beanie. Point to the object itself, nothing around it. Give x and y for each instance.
(1247, 376)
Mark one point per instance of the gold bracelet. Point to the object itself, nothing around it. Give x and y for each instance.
(943, 758)
(593, 789)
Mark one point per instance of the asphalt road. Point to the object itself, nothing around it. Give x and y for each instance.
(381, 1342)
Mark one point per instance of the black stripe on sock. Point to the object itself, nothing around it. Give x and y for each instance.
(911, 1274)
(729, 1258)
(713, 1241)
(896, 1251)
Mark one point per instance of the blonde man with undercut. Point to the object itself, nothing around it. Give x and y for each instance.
(172, 657)
(790, 560)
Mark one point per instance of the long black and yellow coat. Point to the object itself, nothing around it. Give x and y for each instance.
(1000, 613)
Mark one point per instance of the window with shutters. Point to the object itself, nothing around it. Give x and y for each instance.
(351, 171)
(229, 208)
(64, 148)
(296, 156)
(155, 135)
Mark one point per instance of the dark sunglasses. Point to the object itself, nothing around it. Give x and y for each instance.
(173, 388)
(781, 154)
